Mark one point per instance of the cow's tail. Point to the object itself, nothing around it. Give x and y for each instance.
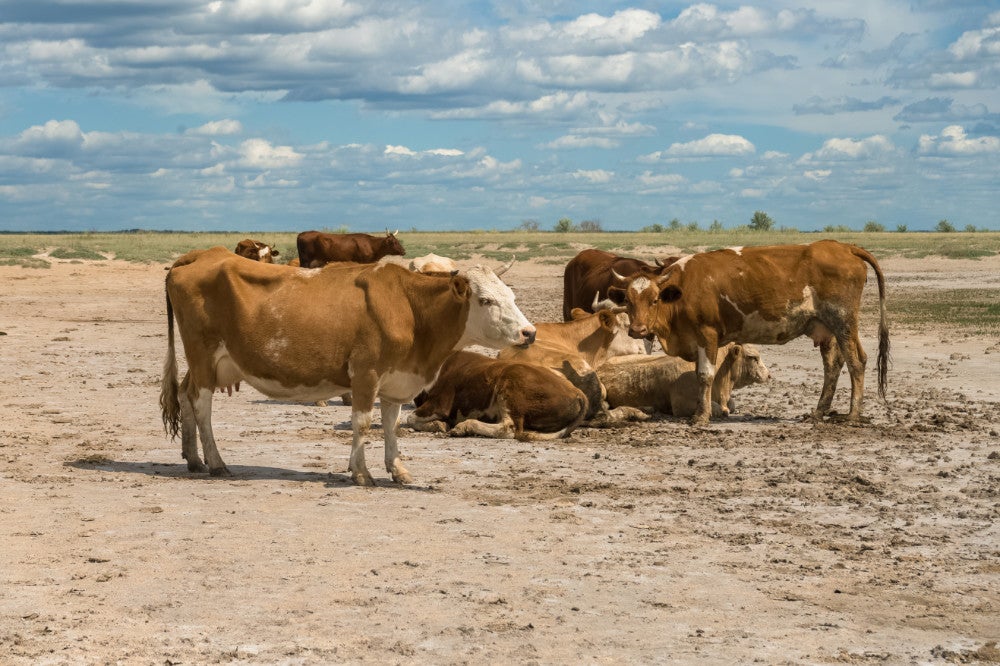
(170, 406)
(883, 360)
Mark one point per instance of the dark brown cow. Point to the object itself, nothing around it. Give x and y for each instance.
(588, 275)
(317, 249)
(766, 295)
(256, 251)
(378, 331)
(479, 395)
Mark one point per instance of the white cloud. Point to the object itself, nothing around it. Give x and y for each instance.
(399, 150)
(595, 175)
(954, 142)
(218, 128)
(259, 153)
(713, 145)
(817, 174)
(575, 141)
(834, 150)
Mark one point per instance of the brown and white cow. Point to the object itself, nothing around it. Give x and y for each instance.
(669, 384)
(764, 295)
(256, 251)
(377, 331)
(573, 348)
(317, 248)
(478, 395)
(590, 273)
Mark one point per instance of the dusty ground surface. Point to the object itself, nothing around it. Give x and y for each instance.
(760, 539)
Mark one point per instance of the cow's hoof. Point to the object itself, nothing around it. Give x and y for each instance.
(220, 471)
(347, 399)
(402, 478)
(363, 479)
(698, 420)
(197, 466)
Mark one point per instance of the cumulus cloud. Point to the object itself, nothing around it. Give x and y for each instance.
(594, 176)
(838, 150)
(218, 128)
(713, 145)
(938, 109)
(259, 153)
(955, 142)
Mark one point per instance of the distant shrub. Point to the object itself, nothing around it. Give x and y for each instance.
(528, 225)
(564, 225)
(944, 226)
(653, 228)
(692, 226)
(970, 228)
(591, 226)
(871, 226)
(761, 221)
(901, 228)
(715, 227)
(674, 225)
(837, 229)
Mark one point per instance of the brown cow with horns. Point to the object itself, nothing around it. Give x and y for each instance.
(378, 331)
(765, 295)
(317, 249)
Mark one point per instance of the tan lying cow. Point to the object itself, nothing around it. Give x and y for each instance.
(377, 331)
(433, 263)
(669, 384)
(764, 295)
(479, 395)
(573, 348)
(256, 251)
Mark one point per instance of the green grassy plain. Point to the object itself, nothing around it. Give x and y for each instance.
(157, 247)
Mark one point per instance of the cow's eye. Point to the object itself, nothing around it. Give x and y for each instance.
(486, 302)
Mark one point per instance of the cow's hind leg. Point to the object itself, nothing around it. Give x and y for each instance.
(832, 364)
(202, 404)
(363, 405)
(705, 366)
(393, 465)
(189, 430)
(857, 360)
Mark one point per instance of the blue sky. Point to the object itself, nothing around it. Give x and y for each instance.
(264, 115)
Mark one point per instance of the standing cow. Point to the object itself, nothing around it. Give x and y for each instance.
(590, 273)
(766, 295)
(317, 249)
(378, 331)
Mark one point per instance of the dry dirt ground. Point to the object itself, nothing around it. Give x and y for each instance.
(760, 539)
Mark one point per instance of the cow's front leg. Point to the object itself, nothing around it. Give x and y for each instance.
(363, 385)
(705, 368)
(393, 465)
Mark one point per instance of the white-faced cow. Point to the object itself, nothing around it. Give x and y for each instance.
(766, 295)
(479, 395)
(255, 250)
(378, 331)
(669, 384)
(317, 249)
(592, 272)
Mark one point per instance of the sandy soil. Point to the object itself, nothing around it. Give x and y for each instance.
(763, 538)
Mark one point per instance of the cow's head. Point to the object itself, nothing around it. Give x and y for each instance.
(643, 296)
(255, 250)
(391, 244)
(494, 319)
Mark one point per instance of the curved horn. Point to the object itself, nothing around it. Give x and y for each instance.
(503, 269)
(618, 277)
(394, 232)
(658, 261)
(606, 304)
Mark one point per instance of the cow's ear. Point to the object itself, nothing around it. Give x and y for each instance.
(274, 253)
(617, 295)
(609, 320)
(579, 313)
(670, 294)
(460, 287)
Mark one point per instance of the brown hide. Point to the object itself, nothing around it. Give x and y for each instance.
(471, 386)
(574, 349)
(670, 385)
(309, 335)
(764, 295)
(255, 250)
(317, 249)
(591, 272)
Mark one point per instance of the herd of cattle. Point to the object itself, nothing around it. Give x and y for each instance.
(350, 318)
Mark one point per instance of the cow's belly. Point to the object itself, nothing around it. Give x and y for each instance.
(229, 372)
(401, 387)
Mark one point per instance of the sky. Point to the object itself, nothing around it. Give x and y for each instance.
(287, 115)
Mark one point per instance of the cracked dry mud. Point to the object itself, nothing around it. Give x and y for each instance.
(763, 538)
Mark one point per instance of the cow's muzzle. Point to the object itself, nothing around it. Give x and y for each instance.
(527, 336)
(640, 332)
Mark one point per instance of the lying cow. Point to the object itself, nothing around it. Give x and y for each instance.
(669, 384)
(377, 331)
(574, 348)
(764, 295)
(479, 395)
(256, 251)
(433, 263)
(317, 249)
